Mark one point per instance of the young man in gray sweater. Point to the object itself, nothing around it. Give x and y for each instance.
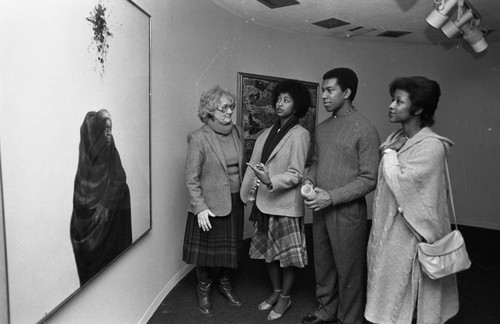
(343, 171)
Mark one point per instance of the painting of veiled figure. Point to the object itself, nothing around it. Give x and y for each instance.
(75, 155)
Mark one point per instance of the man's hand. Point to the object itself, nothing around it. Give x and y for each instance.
(204, 221)
(320, 201)
(307, 181)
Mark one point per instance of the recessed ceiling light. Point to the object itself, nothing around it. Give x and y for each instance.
(393, 33)
(356, 28)
(273, 4)
(331, 23)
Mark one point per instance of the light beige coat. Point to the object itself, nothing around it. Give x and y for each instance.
(286, 166)
(412, 179)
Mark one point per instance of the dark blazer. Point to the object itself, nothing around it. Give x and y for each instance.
(286, 166)
(207, 179)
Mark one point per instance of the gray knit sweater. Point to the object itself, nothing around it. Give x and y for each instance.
(346, 157)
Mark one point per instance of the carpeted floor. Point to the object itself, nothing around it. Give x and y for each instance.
(479, 289)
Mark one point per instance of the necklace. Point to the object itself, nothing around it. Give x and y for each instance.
(344, 114)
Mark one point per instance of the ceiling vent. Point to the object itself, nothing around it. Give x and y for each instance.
(331, 23)
(273, 4)
(356, 28)
(393, 33)
(357, 31)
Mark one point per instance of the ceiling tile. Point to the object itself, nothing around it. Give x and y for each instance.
(273, 4)
(331, 23)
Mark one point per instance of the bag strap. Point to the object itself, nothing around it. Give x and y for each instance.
(450, 192)
(418, 236)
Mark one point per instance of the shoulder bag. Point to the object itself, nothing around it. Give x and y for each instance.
(447, 255)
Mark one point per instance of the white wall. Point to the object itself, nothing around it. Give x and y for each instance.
(4, 299)
(196, 45)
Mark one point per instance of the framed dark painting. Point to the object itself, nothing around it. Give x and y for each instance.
(256, 111)
(75, 147)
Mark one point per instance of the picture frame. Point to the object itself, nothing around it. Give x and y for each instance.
(101, 60)
(256, 111)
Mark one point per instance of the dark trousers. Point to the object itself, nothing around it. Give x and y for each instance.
(339, 235)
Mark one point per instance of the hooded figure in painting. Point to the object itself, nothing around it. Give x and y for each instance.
(101, 223)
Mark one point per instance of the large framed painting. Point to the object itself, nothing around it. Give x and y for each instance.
(256, 111)
(75, 148)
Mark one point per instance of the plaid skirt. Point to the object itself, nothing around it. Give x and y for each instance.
(284, 241)
(219, 246)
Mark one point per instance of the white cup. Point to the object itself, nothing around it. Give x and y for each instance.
(307, 191)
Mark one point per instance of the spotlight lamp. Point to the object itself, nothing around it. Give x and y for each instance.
(466, 22)
(474, 36)
(452, 27)
(439, 15)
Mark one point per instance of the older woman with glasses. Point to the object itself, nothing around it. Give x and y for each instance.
(214, 166)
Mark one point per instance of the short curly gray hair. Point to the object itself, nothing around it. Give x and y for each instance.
(210, 100)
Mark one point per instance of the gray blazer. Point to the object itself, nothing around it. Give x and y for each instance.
(207, 179)
(286, 166)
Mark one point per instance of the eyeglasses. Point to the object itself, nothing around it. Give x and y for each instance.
(225, 108)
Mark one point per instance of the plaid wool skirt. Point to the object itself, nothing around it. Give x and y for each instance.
(219, 246)
(284, 241)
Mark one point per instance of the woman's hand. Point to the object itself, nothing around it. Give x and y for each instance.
(261, 173)
(204, 221)
(397, 145)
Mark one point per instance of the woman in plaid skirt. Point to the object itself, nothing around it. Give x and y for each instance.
(214, 166)
(278, 162)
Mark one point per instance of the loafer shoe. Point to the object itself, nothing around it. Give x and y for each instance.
(312, 319)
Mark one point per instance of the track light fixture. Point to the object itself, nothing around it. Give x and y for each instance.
(451, 28)
(438, 16)
(474, 36)
(466, 22)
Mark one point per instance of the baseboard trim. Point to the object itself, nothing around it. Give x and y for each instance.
(164, 292)
(480, 224)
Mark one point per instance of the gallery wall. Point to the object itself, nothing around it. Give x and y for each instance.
(4, 300)
(196, 45)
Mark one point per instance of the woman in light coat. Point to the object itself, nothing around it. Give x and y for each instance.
(214, 166)
(278, 162)
(410, 198)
